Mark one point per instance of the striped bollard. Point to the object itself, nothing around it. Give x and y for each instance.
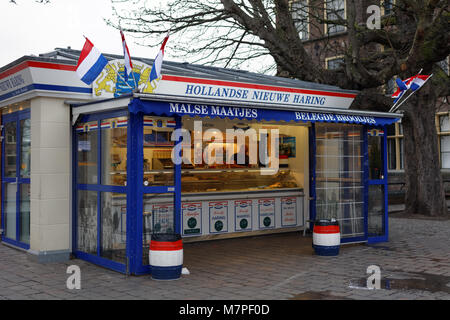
(326, 237)
(166, 256)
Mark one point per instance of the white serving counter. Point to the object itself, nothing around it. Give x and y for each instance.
(215, 215)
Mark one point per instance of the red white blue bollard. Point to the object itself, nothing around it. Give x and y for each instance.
(166, 256)
(326, 237)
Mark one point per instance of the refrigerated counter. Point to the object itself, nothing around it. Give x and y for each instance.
(228, 203)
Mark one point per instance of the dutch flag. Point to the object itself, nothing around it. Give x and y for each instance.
(156, 68)
(419, 81)
(90, 63)
(126, 56)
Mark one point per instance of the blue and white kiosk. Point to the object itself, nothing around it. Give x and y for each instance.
(314, 158)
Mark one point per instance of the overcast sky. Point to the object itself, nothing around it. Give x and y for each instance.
(30, 28)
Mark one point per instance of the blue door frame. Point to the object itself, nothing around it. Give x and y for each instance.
(15, 117)
(99, 188)
(134, 190)
(367, 182)
(383, 182)
(138, 190)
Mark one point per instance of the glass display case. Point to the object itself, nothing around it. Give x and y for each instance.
(209, 180)
(215, 172)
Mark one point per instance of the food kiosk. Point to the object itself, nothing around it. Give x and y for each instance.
(205, 152)
(128, 147)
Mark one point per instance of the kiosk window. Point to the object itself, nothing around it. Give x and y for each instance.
(87, 221)
(114, 226)
(87, 152)
(221, 161)
(339, 176)
(25, 152)
(158, 164)
(375, 140)
(114, 151)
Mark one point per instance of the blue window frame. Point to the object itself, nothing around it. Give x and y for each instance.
(134, 191)
(16, 180)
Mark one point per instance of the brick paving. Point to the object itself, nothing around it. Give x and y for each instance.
(415, 264)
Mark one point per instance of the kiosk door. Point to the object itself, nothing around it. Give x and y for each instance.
(159, 181)
(339, 180)
(16, 157)
(377, 222)
(101, 186)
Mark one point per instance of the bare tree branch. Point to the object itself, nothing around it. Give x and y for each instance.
(227, 31)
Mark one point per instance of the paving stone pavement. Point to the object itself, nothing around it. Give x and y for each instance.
(414, 264)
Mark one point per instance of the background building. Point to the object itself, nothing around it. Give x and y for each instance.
(326, 44)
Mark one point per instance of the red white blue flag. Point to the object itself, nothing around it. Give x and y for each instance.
(157, 64)
(418, 82)
(91, 63)
(414, 83)
(126, 56)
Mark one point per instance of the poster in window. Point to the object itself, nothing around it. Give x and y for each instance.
(243, 215)
(266, 210)
(218, 216)
(287, 147)
(192, 218)
(288, 211)
(163, 218)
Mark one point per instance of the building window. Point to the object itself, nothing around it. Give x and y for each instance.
(395, 147)
(444, 140)
(334, 63)
(387, 6)
(335, 10)
(300, 16)
(444, 64)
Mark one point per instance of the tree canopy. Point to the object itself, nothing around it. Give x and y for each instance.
(231, 33)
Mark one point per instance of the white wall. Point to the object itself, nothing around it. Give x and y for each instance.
(50, 228)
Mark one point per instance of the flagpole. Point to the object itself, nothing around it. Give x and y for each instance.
(398, 100)
(124, 59)
(134, 78)
(117, 72)
(403, 101)
(412, 93)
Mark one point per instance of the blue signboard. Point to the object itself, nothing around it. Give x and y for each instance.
(252, 113)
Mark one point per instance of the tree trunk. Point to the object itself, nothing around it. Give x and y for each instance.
(424, 186)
